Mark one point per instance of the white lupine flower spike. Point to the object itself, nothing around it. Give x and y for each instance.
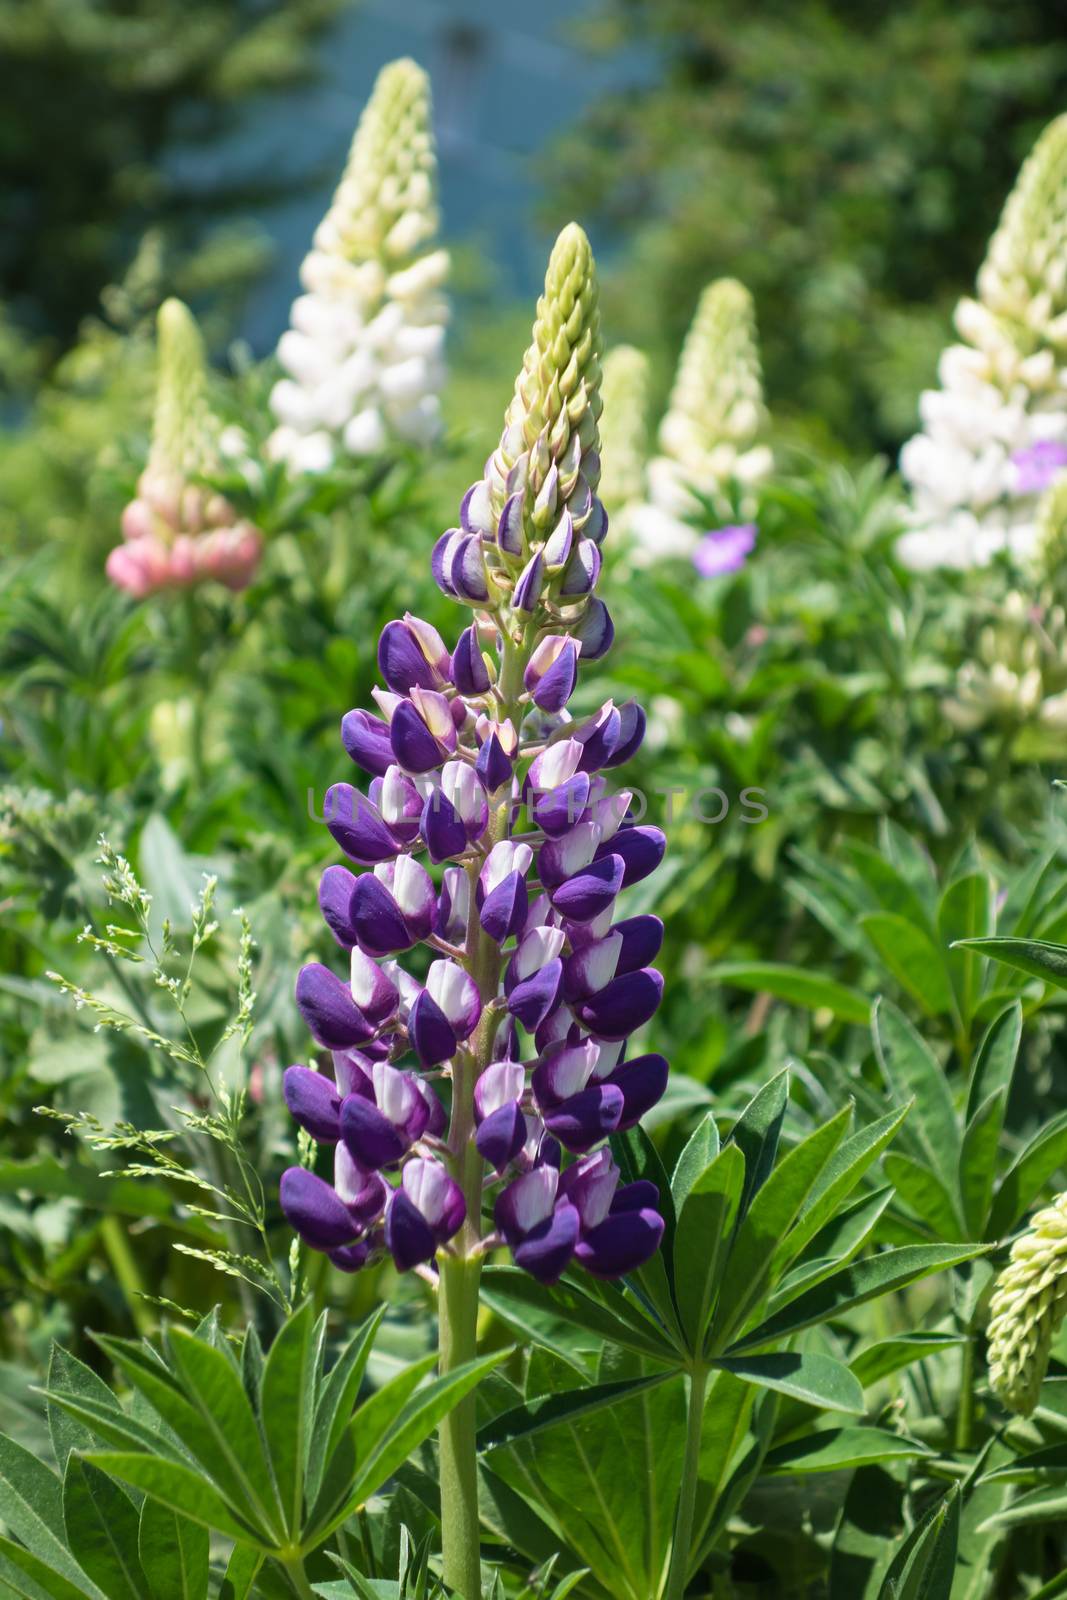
(363, 355)
(1027, 1308)
(994, 433)
(624, 431)
(711, 439)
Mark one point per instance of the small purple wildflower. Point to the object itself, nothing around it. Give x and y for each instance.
(725, 550)
(1038, 465)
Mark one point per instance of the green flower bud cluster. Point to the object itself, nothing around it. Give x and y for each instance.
(624, 428)
(711, 438)
(1022, 284)
(551, 441)
(1018, 673)
(184, 434)
(1027, 1308)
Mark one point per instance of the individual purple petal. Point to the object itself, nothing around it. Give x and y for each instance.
(625, 1005)
(366, 739)
(336, 887)
(466, 571)
(583, 570)
(621, 1244)
(374, 993)
(441, 560)
(526, 1203)
(501, 1083)
(328, 1009)
(725, 550)
(413, 745)
(463, 787)
(631, 734)
(413, 890)
(364, 1193)
(552, 672)
(352, 1073)
(351, 1257)
(635, 1197)
(643, 1082)
(598, 738)
(357, 826)
(591, 891)
(410, 653)
(553, 766)
(595, 631)
(432, 1035)
(469, 672)
(642, 940)
(493, 766)
(442, 828)
(313, 1208)
(313, 1101)
(399, 802)
(408, 1236)
(596, 527)
(381, 930)
(456, 993)
(437, 1123)
(563, 1070)
(591, 968)
(1038, 465)
(476, 512)
(560, 809)
(436, 1195)
(527, 591)
(453, 905)
(532, 999)
(572, 851)
(591, 1185)
(546, 1251)
(587, 1117)
(560, 542)
(641, 848)
(370, 1136)
(503, 911)
(509, 529)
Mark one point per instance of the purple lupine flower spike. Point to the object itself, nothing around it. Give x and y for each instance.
(486, 827)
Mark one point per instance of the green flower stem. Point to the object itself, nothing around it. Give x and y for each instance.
(461, 1267)
(965, 1401)
(294, 1571)
(124, 1265)
(687, 1492)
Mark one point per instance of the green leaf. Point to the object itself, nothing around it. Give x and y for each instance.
(511, 1287)
(815, 1379)
(183, 1489)
(913, 958)
(415, 1423)
(1030, 1510)
(241, 1571)
(852, 1285)
(965, 912)
(288, 1408)
(925, 1192)
(1050, 1458)
(995, 1058)
(1036, 957)
(925, 1566)
(46, 1580)
(890, 1355)
(211, 1416)
(337, 1400)
(978, 1162)
(872, 1519)
(852, 1158)
(31, 1507)
(111, 1424)
(548, 1411)
(1026, 1177)
(796, 985)
(66, 1372)
(912, 1071)
(174, 1553)
(701, 1242)
(101, 1526)
(756, 1134)
(377, 1415)
(756, 1249)
(699, 1153)
(638, 1158)
(890, 889)
(835, 1449)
